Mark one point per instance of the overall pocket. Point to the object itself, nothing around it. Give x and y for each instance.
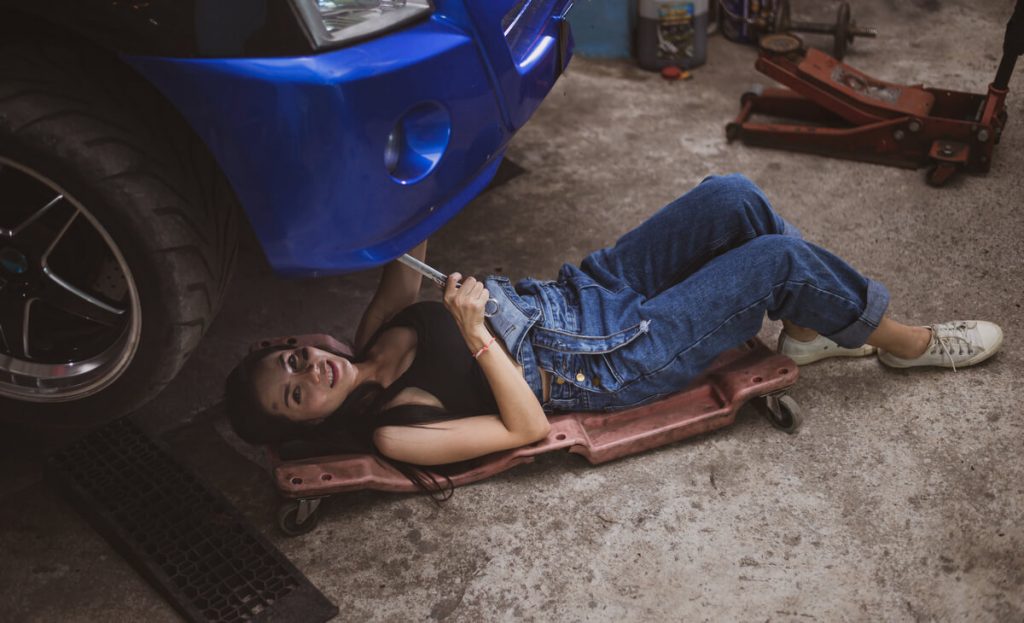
(587, 361)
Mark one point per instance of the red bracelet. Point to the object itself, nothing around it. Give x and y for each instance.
(486, 346)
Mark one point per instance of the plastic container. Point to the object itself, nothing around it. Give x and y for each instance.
(671, 33)
(744, 21)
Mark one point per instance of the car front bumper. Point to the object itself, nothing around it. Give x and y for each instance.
(302, 140)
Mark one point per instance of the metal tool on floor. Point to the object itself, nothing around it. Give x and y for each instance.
(832, 109)
(439, 278)
(307, 471)
(748, 21)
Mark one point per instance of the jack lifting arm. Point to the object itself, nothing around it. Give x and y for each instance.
(1013, 46)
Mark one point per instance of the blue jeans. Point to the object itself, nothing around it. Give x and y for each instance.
(641, 319)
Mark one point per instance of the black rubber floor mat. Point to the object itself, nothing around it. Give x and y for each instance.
(185, 538)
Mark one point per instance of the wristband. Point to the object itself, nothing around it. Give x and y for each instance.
(486, 346)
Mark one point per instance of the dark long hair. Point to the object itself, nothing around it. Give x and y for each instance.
(349, 429)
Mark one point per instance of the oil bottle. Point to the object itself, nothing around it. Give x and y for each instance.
(671, 33)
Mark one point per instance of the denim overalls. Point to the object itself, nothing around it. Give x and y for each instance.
(640, 320)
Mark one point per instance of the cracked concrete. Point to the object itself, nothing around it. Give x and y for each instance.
(901, 498)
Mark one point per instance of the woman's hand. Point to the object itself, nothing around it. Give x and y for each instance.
(466, 302)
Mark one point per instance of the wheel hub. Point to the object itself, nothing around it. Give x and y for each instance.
(13, 261)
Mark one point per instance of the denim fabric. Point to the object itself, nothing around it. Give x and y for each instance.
(643, 318)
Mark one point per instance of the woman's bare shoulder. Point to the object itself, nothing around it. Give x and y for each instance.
(392, 353)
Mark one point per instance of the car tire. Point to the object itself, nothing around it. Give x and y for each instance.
(145, 223)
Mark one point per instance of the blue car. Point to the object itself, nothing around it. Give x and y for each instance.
(135, 137)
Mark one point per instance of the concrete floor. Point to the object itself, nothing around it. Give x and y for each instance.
(901, 499)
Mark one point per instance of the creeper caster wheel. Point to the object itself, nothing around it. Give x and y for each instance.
(784, 413)
(298, 517)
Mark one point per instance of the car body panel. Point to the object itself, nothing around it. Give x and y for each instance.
(531, 52)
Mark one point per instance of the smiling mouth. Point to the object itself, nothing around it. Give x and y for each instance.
(332, 374)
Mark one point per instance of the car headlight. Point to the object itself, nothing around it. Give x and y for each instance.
(336, 22)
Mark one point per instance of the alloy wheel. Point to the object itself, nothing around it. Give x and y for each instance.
(70, 317)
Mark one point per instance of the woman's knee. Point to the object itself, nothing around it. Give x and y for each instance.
(740, 194)
(736, 184)
(781, 252)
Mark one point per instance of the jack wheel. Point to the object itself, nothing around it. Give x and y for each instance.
(784, 413)
(732, 131)
(940, 173)
(288, 518)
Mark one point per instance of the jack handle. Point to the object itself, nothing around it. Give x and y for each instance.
(1013, 46)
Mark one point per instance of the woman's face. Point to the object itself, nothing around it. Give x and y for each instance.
(303, 384)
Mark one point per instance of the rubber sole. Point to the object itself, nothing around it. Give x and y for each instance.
(802, 359)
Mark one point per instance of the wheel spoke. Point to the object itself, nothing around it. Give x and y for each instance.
(41, 232)
(73, 300)
(57, 238)
(14, 326)
(35, 216)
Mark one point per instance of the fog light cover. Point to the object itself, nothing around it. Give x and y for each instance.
(417, 143)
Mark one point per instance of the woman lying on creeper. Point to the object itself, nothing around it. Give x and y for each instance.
(432, 384)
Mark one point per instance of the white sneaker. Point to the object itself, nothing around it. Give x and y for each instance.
(956, 344)
(803, 353)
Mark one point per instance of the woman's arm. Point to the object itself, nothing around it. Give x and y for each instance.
(451, 441)
(399, 287)
(521, 419)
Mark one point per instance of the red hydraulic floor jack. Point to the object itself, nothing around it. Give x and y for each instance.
(833, 109)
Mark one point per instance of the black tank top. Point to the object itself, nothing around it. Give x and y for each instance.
(443, 366)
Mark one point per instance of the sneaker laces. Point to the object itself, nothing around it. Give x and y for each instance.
(952, 338)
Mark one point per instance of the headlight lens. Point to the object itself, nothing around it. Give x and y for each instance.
(348, 20)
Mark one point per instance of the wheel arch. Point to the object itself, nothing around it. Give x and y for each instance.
(153, 107)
